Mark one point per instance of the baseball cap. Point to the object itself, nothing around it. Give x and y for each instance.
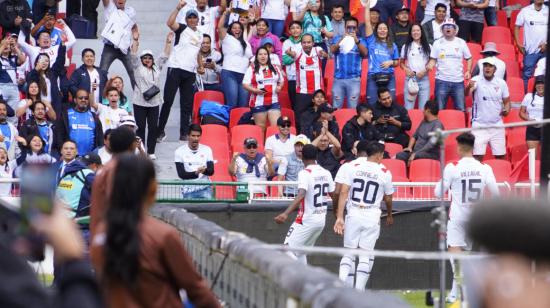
(127, 120)
(265, 41)
(146, 52)
(283, 120)
(326, 108)
(91, 158)
(539, 79)
(490, 47)
(489, 60)
(191, 12)
(406, 9)
(250, 141)
(303, 139)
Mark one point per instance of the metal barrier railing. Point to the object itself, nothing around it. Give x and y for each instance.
(175, 191)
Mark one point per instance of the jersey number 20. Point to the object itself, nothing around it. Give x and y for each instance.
(321, 190)
(370, 188)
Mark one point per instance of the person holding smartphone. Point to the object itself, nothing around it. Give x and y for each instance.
(211, 59)
(391, 120)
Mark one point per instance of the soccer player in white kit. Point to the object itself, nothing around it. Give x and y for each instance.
(467, 180)
(314, 185)
(365, 183)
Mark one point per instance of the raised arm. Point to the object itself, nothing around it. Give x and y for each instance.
(171, 22)
(368, 26)
(39, 24)
(71, 39)
(105, 3)
(222, 31)
(21, 41)
(222, 7)
(233, 164)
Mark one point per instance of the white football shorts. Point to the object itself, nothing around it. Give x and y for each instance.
(456, 235)
(303, 234)
(495, 137)
(360, 232)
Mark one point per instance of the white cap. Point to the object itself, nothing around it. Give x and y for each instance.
(146, 52)
(489, 60)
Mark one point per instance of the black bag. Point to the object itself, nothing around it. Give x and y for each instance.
(382, 79)
(209, 119)
(151, 92)
(82, 27)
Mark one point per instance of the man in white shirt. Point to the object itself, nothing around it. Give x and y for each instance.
(251, 166)
(182, 64)
(281, 144)
(104, 152)
(467, 180)
(364, 185)
(120, 18)
(195, 162)
(534, 20)
(430, 7)
(448, 53)
(314, 186)
(207, 16)
(490, 51)
(491, 102)
(111, 115)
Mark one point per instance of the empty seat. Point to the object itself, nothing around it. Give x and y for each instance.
(236, 114)
(496, 34)
(342, 116)
(240, 132)
(424, 170)
(201, 96)
(501, 168)
(515, 136)
(451, 154)
(393, 148)
(513, 116)
(512, 69)
(397, 168)
(502, 19)
(507, 52)
(516, 89)
(452, 119)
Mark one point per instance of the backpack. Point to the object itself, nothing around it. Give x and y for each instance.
(210, 109)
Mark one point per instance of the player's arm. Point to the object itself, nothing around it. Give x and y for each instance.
(388, 199)
(492, 183)
(442, 186)
(281, 218)
(339, 224)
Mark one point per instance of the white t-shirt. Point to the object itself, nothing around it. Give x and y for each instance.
(501, 68)
(449, 56)
(233, 57)
(297, 48)
(273, 9)
(297, 6)
(207, 19)
(369, 182)
(416, 59)
(280, 149)
(104, 155)
(488, 99)
(541, 67)
(535, 25)
(275, 61)
(6, 172)
(94, 76)
(534, 105)
(186, 48)
(194, 159)
(467, 179)
(242, 176)
(437, 29)
(109, 117)
(317, 182)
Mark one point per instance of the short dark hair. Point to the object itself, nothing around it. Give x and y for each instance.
(381, 90)
(373, 148)
(3, 102)
(309, 152)
(362, 108)
(42, 32)
(294, 22)
(69, 141)
(264, 21)
(351, 18)
(122, 139)
(432, 106)
(207, 36)
(33, 106)
(107, 133)
(466, 139)
(362, 146)
(85, 50)
(338, 6)
(440, 5)
(195, 128)
(308, 34)
(109, 89)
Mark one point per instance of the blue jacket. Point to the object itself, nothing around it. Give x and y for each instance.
(75, 187)
(80, 79)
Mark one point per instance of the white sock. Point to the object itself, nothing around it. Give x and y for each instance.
(454, 289)
(347, 266)
(363, 272)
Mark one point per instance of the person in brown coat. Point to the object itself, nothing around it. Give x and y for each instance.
(141, 261)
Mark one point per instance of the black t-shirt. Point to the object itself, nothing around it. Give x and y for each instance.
(327, 160)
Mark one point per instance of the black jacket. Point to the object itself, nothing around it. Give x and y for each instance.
(307, 119)
(62, 130)
(30, 127)
(352, 132)
(399, 113)
(80, 79)
(9, 10)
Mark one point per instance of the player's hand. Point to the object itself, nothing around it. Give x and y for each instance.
(180, 5)
(281, 218)
(389, 220)
(339, 226)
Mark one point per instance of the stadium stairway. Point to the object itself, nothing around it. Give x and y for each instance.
(151, 18)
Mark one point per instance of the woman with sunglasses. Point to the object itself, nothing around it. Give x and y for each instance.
(146, 105)
(531, 109)
(264, 81)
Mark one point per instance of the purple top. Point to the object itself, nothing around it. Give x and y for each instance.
(255, 41)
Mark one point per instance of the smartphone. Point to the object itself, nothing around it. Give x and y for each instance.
(38, 184)
(386, 116)
(208, 60)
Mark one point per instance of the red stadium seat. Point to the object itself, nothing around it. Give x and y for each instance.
(272, 130)
(524, 176)
(393, 148)
(451, 154)
(240, 132)
(223, 192)
(516, 89)
(424, 170)
(496, 35)
(501, 168)
(214, 130)
(364, 77)
(329, 77)
(502, 19)
(475, 49)
(360, 15)
(235, 115)
(399, 74)
(219, 146)
(70, 70)
(507, 52)
(431, 76)
(530, 84)
(342, 116)
(513, 17)
(397, 168)
(201, 96)
(287, 112)
(417, 116)
(515, 136)
(284, 100)
(452, 119)
(512, 69)
(513, 116)
(521, 2)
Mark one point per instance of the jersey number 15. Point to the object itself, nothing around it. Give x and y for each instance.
(471, 192)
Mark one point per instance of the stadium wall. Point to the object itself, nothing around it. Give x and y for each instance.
(411, 231)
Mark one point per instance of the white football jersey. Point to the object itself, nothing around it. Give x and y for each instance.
(369, 182)
(467, 179)
(317, 182)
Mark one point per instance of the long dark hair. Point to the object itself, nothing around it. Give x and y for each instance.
(257, 63)
(30, 138)
(133, 177)
(389, 41)
(29, 95)
(42, 75)
(240, 39)
(423, 41)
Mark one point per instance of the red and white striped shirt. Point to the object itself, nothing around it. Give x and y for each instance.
(264, 79)
(308, 72)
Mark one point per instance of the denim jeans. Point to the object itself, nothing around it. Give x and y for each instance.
(276, 26)
(444, 89)
(346, 88)
(423, 93)
(205, 193)
(232, 86)
(372, 88)
(388, 8)
(529, 64)
(10, 93)
(491, 15)
(110, 54)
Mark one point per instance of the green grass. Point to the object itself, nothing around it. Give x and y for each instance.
(417, 298)
(46, 279)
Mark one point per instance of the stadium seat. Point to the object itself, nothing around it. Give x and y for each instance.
(201, 96)
(524, 176)
(220, 147)
(521, 2)
(287, 112)
(475, 49)
(452, 119)
(70, 70)
(399, 74)
(497, 35)
(272, 130)
(393, 148)
(342, 116)
(507, 52)
(530, 85)
(515, 136)
(451, 154)
(236, 114)
(501, 168)
(240, 132)
(417, 116)
(398, 169)
(364, 77)
(214, 130)
(512, 69)
(284, 99)
(431, 76)
(329, 77)
(513, 17)
(223, 192)
(516, 89)
(424, 170)
(513, 116)
(502, 19)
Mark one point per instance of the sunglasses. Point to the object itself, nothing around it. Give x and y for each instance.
(251, 146)
(285, 126)
(82, 97)
(350, 28)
